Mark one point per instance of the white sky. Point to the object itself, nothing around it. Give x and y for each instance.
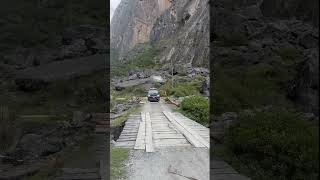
(113, 6)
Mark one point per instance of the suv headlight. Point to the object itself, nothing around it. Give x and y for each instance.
(158, 95)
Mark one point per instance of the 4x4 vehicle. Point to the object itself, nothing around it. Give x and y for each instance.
(153, 95)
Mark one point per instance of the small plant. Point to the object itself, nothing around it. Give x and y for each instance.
(197, 108)
(118, 158)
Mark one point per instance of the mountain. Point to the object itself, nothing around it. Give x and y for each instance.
(133, 21)
(179, 30)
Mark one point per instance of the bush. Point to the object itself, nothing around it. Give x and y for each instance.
(143, 60)
(182, 89)
(197, 108)
(275, 144)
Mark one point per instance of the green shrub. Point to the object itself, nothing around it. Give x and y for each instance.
(143, 60)
(197, 108)
(182, 89)
(275, 144)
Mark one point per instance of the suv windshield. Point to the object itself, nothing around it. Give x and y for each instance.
(153, 92)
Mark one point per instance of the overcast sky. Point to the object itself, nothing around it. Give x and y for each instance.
(113, 6)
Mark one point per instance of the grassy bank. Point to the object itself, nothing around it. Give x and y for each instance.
(118, 158)
(119, 120)
(278, 144)
(143, 60)
(196, 108)
(182, 87)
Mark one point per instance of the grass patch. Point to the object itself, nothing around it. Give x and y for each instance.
(119, 120)
(277, 144)
(180, 88)
(143, 60)
(118, 157)
(197, 108)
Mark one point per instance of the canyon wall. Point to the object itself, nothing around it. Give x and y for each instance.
(179, 29)
(133, 21)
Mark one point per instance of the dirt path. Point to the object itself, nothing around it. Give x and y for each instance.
(167, 145)
(161, 148)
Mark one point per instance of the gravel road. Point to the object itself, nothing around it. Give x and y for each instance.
(176, 163)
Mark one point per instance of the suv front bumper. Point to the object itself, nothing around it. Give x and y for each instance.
(153, 99)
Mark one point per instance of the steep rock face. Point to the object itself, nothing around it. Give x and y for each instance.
(133, 21)
(179, 29)
(183, 31)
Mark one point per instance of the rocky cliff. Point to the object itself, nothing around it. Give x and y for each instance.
(178, 29)
(183, 33)
(133, 21)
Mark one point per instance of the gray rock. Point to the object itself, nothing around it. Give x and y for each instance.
(205, 88)
(133, 77)
(75, 49)
(220, 124)
(311, 117)
(308, 41)
(267, 41)
(141, 75)
(255, 46)
(202, 71)
(97, 45)
(79, 118)
(32, 145)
